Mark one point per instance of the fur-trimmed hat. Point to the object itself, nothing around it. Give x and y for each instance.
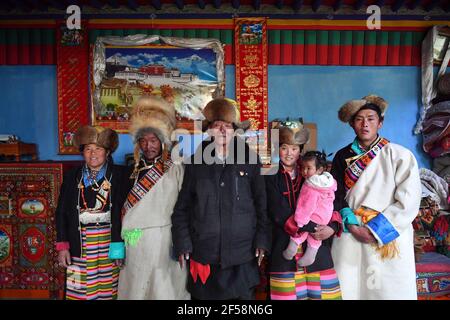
(350, 108)
(297, 135)
(223, 109)
(153, 114)
(104, 137)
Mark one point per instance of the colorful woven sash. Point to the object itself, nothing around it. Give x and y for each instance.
(355, 169)
(146, 183)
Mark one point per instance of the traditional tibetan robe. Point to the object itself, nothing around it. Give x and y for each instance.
(88, 225)
(388, 183)
(151, 272)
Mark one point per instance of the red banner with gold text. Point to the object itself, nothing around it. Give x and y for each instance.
(72, 53)
(251, 55)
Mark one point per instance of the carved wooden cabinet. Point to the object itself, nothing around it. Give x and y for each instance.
(18, 149)
(28, 259)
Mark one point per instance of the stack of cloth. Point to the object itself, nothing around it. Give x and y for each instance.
(432, 222)
(435, 187)
(423, 226)
(432, 238)
(441, 166)
(433, 277)
(436, 125)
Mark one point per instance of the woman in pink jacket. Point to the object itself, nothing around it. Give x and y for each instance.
(315, 204)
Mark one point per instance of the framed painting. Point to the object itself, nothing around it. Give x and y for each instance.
(187, 73)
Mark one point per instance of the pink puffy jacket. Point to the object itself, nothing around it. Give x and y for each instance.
(315, 201)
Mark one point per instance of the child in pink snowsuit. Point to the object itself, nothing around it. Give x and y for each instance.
(315, 204)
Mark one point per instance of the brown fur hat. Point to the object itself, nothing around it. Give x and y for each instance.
(350, 108)
(298, 136)
(223, 109)
(155, 115)
(104, 137)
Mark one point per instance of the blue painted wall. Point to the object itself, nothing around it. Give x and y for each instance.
(28, 107)
(316, 93)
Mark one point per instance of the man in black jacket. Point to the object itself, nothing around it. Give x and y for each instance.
(220, 223)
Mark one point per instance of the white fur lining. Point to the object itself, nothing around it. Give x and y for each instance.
(325, 180)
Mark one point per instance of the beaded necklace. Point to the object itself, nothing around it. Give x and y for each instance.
(90, 176)
(146, 166)
(103, 191)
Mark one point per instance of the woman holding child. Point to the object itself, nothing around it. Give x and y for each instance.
(288, 279)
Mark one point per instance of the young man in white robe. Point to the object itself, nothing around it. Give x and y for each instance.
(378, 197)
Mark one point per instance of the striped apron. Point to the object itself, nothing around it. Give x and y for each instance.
(300, 285)
(93, 275)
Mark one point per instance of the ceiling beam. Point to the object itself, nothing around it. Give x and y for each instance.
(156, 4)
(413, 4)
(279, 4)
(297, 5)
(431, 5)
(201, 4)
(133, 5)
(397, 4)
(358, 4)
(316, 5)
(5, 6)
(19, 5)
(114, 4)
(71, 3)
(179, 4)
(57, 4)
(257, 4)
(337, 5)
(96, 4)
(39, 5)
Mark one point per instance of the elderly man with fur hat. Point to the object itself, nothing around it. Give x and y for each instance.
(88, 218)
(378, 197)
(288, 280)
(220, 225)
(150, 272)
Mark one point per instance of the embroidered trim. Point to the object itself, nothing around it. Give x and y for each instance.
(64, 245)
(355, 170)
(147, 182)
(348, 217)
(383, 228)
